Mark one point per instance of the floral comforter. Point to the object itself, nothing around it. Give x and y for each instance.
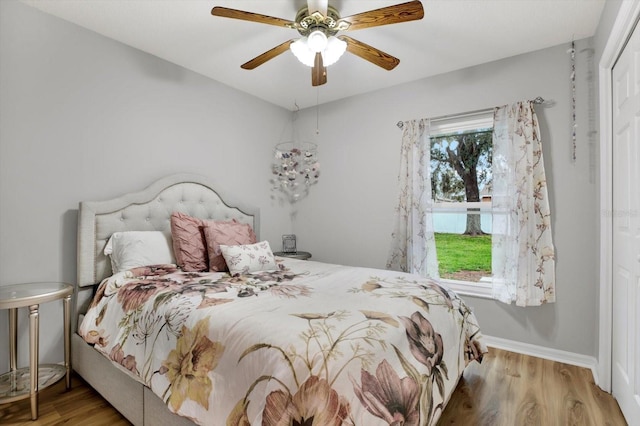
(308, 344)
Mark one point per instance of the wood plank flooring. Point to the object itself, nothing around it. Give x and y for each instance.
(506, 389)
(510, 389)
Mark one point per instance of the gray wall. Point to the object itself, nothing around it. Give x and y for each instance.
(83, 117)
(608, 17)
(349, 214)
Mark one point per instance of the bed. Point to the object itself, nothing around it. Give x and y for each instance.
(280, 342)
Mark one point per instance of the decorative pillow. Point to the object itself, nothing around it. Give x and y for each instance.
(225, 233)
(138, 248)
(245, 259)
(188, 242)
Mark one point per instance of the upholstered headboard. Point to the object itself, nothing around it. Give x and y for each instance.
(150, 210)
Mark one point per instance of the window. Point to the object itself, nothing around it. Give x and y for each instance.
(461, 179)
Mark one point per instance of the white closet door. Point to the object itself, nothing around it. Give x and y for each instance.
(626, 230)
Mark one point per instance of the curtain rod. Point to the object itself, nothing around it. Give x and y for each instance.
(538, 100)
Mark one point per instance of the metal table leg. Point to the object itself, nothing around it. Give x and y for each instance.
(34, 337)
(66, 304)
(13, 339)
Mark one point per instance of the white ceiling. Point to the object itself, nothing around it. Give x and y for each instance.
(454, 34)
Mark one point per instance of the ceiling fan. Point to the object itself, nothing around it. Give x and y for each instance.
(318, 23)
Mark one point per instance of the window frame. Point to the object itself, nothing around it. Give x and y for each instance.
(475, 121)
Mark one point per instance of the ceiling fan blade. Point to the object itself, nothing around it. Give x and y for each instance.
(317, 6)
(225, 12)
(404, 12)
(269, 54)
(318, 72)
(369, 53)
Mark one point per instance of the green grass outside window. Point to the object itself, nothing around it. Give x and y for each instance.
(458, 253)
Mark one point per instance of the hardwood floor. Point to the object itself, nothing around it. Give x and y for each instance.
(506, 389)
(80, 406)
(510, 389)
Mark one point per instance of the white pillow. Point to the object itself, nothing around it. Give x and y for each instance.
(245, 259)
(139, 248)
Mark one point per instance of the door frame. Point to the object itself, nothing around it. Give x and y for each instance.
(626, 19)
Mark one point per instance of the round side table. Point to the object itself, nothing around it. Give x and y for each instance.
(21, 383)
(302, 255)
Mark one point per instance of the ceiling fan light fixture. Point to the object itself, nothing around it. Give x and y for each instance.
(317, 41)
(334, 50)
(300, 50)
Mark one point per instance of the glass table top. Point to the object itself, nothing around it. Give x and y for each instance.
(17, 295)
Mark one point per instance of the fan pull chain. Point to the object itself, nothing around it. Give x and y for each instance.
(318, 111)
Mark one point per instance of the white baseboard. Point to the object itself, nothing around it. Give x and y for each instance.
(558, 355)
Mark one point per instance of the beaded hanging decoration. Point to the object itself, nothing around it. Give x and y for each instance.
(295, 169)
(295, 166)
(574, 126)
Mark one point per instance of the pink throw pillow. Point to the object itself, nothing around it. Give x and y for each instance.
(189, 244)
(225, 233)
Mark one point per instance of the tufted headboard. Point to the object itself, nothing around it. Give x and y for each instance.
(150, 210)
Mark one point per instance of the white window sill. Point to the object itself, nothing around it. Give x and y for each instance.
(481, 289)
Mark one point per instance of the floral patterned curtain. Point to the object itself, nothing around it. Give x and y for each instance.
(523, 256)
(413, 246)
